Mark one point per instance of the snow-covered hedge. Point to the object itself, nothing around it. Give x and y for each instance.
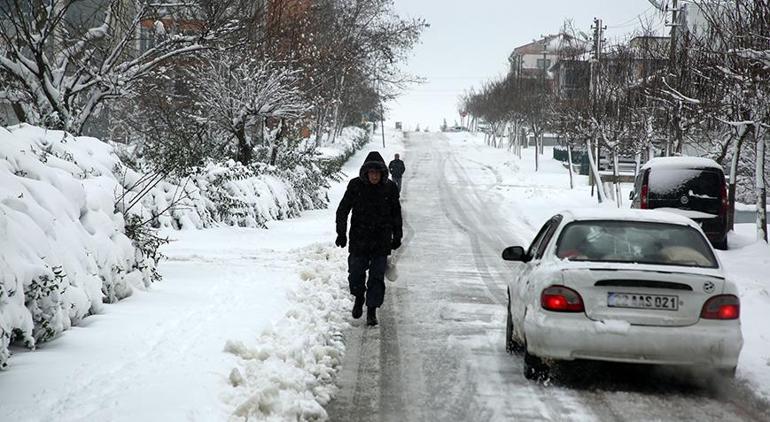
(63, 251)
(63, 244)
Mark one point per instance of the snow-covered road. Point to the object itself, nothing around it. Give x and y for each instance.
(439, 351)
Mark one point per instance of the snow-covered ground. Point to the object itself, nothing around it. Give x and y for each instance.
(245, 323)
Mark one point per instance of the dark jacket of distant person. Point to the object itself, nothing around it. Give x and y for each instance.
(397, 168)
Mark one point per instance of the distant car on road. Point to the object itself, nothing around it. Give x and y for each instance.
(622, 286)
(691, 186)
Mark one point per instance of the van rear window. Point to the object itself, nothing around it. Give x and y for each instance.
(699, 183)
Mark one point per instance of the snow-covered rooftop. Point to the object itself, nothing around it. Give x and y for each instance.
(682, 162)
(651, 216)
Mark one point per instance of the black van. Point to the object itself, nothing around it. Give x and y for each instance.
(694, 187)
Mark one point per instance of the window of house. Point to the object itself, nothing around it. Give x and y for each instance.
(541, 61)
(146, 39)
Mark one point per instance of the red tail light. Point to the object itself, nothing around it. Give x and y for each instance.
(722, 307)
(561, 299)
(644, 200)
(725, 203)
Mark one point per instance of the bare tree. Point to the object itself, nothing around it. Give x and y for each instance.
(736, 41)
(234, 92)
(71, 56)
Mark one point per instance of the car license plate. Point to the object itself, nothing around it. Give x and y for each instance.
(642, 301)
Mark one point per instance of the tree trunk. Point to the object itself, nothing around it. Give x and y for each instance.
(537, 153)
(18, 110)
(734, 176)
(277, 143)
(319, 125)
(601, 194)
(245, 149)
(569, 161)
(637, 164)
(616, 175)
(760, 184)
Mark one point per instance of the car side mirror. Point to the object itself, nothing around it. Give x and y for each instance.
(515, 253)
(631, 196)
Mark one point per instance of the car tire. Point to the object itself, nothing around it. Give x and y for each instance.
(511, 345)
(721, 245)
(534, 367)
(509, 330)
(727, 373)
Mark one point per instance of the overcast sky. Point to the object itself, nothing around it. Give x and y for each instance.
(469, 42)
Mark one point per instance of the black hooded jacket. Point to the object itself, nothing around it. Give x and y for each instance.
(397, 168)
(376, 219)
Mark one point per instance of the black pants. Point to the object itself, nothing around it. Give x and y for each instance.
(397, 180)
(375, 287)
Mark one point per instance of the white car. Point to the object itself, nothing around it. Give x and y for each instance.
(636, 286)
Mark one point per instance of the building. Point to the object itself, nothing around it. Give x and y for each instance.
(534, 60)
(572, 78)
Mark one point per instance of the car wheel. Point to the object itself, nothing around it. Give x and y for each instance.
(509, 330)
(727, 373)
(721, 245)
(511, 345)
(534, 367)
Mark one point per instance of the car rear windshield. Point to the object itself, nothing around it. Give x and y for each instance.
(635, 242)
(677, 182)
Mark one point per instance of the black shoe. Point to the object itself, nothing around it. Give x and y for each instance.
(371, 316)
(358, 307)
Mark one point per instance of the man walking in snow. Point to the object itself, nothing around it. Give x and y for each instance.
(397, 170)
(375, 230)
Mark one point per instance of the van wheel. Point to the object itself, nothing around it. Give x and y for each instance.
(534, 368)
(721, 245)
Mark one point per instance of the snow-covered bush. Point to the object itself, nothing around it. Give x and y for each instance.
(63, 251)
(337, 154)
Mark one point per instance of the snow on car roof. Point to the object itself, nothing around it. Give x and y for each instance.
(651, 216)
(682, 162)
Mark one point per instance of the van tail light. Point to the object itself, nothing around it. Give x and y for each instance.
(644, 197)
(561, 299)
(725, 203)
(722, 307)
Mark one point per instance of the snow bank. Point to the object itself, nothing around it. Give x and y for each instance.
(288, 374)
(63, 250)
(747, 264)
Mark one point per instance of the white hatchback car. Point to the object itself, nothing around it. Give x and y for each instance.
(636, 286)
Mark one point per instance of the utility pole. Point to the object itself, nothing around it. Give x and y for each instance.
(382, 111)
(594, 81)
(676, 133)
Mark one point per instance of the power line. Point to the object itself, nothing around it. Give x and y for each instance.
(631, 20)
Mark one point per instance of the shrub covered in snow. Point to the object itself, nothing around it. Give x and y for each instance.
(63, 251)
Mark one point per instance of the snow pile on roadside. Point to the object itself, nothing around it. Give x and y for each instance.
(747, 263)
(288, 374)
(63, 250)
